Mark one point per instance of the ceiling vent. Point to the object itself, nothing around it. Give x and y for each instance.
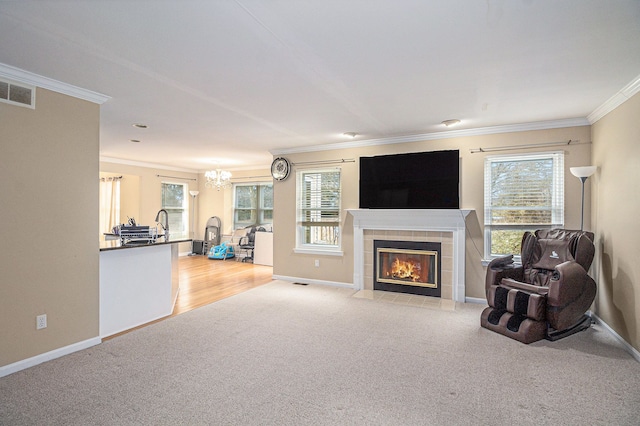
(17, 93)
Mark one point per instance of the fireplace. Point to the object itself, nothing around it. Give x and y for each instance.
(412, 267)
(444, 226)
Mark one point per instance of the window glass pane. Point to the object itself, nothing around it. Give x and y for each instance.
(505, 242)
(244, 215)
(174, 201)
(252, 204)
(522, 192)
(246, 196)
(172, 195)
(319, 208)
(266, 192)
(267, 216)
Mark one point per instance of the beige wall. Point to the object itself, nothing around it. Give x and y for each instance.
(340, 269)
(616, 203)
(49, 254)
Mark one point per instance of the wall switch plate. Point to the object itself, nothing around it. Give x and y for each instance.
(317, 263)
(41, 321)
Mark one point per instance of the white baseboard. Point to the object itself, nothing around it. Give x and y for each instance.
(632, 351)
(312, 281)
(477, 300)
(48, 356)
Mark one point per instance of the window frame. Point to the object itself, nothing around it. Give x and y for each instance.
(557, 208)
(260, 208)
(302, 246)
(184, 234)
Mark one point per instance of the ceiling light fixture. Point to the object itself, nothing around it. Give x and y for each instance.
(134, 140)
(218, 179)
(140, 126)
(350, 134)
(451, 122)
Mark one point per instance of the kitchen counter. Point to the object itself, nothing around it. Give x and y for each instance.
(139, 283)
(108, 244)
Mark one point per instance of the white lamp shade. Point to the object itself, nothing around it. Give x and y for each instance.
(194, 193)
(584, 171)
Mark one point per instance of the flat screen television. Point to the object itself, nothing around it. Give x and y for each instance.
(420, 180)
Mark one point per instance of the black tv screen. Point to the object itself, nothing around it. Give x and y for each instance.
(420, 180)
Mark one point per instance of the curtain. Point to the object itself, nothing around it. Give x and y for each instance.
(109, 203)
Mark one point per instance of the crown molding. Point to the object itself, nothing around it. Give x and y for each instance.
(508, 128)
(144, 164)
(22, 76)
(616, 100)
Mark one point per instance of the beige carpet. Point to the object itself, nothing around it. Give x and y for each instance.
(285, 354)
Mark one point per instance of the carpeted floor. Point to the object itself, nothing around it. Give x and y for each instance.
(285, 354)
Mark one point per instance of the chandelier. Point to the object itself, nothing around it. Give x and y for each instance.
(218, 179)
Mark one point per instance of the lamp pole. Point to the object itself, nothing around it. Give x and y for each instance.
(193, 196)
(583, 179)
(583, 174)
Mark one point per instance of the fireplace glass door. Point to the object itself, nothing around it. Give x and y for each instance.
(407, 267)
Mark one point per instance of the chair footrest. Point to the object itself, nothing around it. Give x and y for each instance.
(514, 326)
(518, 302)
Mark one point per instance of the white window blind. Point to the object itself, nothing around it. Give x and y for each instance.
(319, 208)
(522, 192)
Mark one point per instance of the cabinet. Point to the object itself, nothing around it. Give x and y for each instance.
(263, 252)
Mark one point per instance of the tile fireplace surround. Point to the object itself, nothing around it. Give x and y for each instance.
(443, 226)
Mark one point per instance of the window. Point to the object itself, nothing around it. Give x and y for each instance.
(521, 193)
(253, 204)
(318, 211)
(175, 202)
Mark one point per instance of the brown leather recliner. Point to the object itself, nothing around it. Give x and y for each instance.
(547, 296)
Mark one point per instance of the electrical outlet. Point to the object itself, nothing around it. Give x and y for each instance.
(41, 321)
(317, 263)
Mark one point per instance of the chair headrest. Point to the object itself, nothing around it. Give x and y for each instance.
(547, 248)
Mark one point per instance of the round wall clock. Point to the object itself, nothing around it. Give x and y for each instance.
(280, 168)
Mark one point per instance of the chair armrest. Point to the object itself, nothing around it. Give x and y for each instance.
(529, 288)
(502, 267)
(501, 262)
(567, 284)
(571, 292)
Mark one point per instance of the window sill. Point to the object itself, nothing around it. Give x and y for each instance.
(318, 251)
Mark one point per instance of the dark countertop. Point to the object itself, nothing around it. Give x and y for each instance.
(116, 245)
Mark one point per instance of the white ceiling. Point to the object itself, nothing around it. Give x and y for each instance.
(226, 81)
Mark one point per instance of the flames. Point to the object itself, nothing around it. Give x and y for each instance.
(405, 270)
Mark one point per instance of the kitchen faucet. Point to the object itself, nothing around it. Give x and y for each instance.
(164, 223)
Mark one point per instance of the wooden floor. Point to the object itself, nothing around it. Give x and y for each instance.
(204, 281)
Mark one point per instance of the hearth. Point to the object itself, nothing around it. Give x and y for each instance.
(412, 267)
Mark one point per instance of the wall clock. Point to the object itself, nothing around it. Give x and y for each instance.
(280, 168)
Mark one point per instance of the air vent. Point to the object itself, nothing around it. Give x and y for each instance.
(17, 93)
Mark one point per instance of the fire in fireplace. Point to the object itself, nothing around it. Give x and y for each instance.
(407, 267)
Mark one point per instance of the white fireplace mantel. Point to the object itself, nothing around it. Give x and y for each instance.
(438, 220)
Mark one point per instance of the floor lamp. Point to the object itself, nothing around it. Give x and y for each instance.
(193, 196)
(583, 174)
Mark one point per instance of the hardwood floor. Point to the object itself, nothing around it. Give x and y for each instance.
(204, 281)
